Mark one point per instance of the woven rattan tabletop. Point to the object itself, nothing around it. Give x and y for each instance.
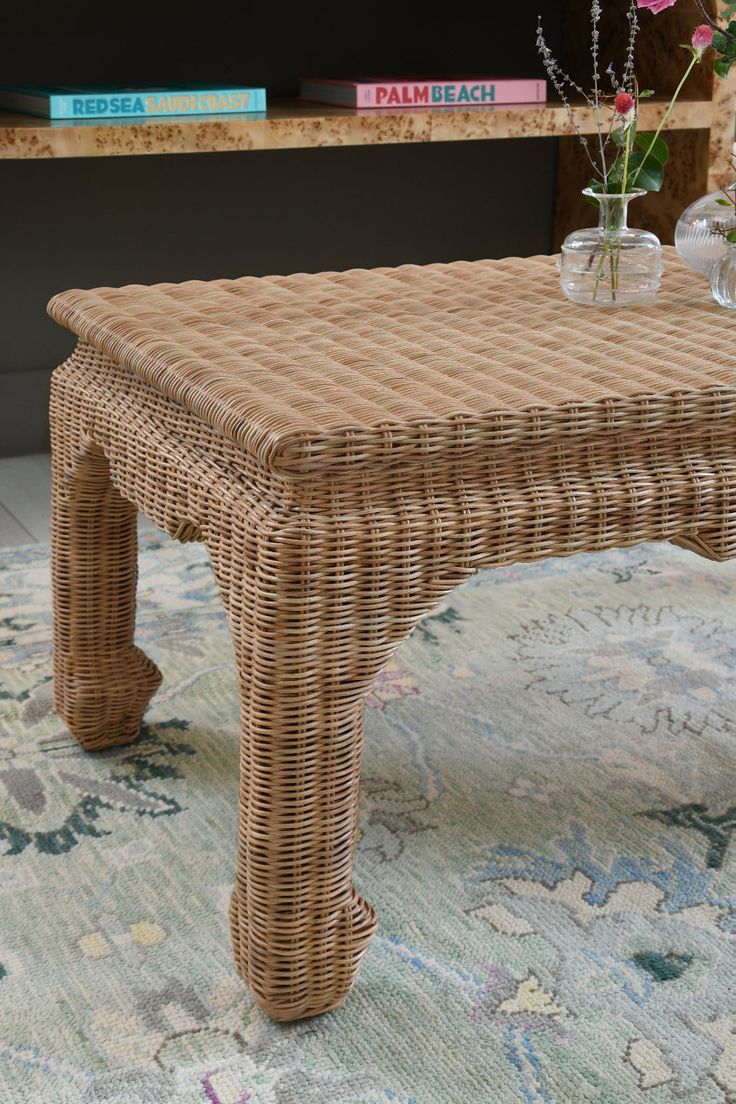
(314, 372)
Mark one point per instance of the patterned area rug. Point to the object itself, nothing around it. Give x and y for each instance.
(547, 828)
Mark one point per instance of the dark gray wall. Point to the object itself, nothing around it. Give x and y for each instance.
(262, 42)
(87, 222)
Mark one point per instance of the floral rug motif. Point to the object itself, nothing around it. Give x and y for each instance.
(547, 829)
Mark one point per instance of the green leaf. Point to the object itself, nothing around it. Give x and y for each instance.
(725, 46)
(648, 173)
(658, 151)
(724, 202)
(731, 237)
(620, 135)
(616, 171)
(691, 50)
(722, 66)
(646, 94)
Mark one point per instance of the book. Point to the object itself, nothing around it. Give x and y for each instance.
(109, 103)
(419, 92)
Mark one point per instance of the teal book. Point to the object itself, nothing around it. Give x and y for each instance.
(148, 103)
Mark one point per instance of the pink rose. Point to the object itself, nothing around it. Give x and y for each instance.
(655, 6)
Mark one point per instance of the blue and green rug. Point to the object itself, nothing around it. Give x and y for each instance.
(547, 829)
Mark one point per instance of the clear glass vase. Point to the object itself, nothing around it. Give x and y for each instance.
(612, 264)
(696, 235)
(723, 277)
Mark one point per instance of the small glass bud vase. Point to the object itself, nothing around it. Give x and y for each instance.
(723, 277)
(612, 264)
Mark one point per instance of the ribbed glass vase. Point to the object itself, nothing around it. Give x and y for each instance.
(723, 277)
(696, 239)
(611, 264)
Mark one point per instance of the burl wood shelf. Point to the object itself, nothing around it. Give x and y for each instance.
(701, 127)
(293, 124)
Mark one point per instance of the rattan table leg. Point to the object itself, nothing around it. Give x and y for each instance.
(299, 927)
(102, 682)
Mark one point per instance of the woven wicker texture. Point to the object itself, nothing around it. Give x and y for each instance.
(309, 372)
(323, 574)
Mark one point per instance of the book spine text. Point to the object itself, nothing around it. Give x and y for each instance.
(459, 93)
(150, 104)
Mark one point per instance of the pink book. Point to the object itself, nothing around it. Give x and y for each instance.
(408, 92)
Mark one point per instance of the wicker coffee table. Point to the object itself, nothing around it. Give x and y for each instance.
(350, 447)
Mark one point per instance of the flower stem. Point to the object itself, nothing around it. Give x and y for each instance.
(693, 62)
(627, 154)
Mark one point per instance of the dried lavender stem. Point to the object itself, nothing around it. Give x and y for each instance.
(559, 79)
(595, 18)
(628, 72)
